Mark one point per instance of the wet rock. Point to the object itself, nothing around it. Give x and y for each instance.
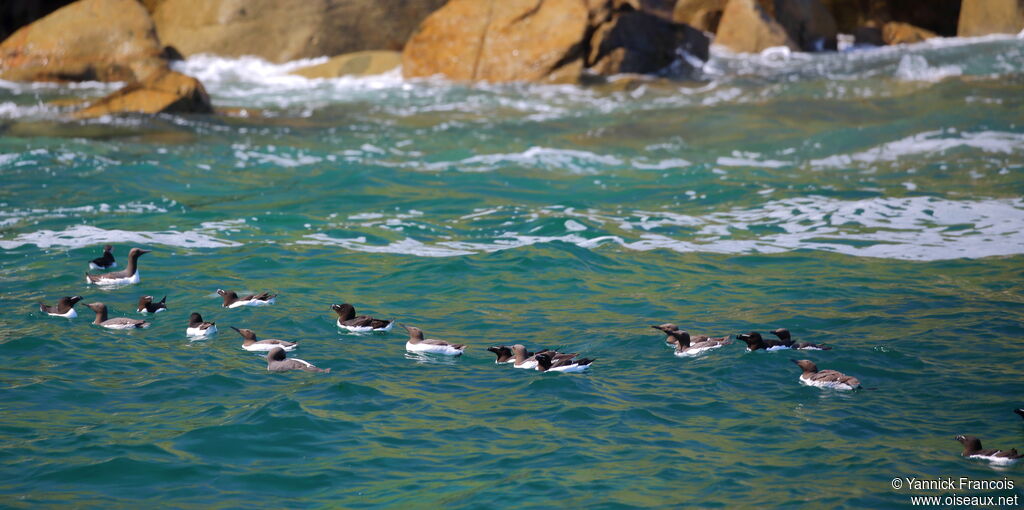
(868, 36)
(700, 14)
(983, 17)
(500, 41)
(164, 92)
(747, 28)
(638, 42)
(283, 30)
(938, 16)
(895, 32)
(104, 40)
(808, 23)
(362, 63)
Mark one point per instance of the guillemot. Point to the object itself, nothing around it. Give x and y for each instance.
(546, 364)
(504, 354)
(528, 360)
(199, 328)
(784, 336)
(250, 343)
(972, 450)
(755, 342)
(825, 378)
(104, 262)
(146, 305)
(115, 323)
(231, 299)
(417, 343)
(128, 276)
(347, 319)
(64, 308)
(687, 348)
(1019, 412)
(277, 361)
(673, 334)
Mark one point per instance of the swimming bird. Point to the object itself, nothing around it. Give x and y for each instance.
(972, 450)
(755, 342)
(546, 364)
(417, 343)
(278, 362)
(250, 343)
(528, 360)
(231, 299)
(1020, 412)
(197, 327)
(687, 348)
(347, 319)
(129, 275)
(673, 334)
(784, 336)
(825, 378)
(64, 308)
(503, 353)
(146, 305)
(106, 261)
(116, 323)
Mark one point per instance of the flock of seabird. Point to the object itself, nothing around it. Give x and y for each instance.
(684, 345)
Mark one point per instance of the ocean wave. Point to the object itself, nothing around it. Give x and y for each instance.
(913, 228)
(928, 143)
(80, 236)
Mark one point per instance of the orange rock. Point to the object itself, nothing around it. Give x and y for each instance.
(167, 91)
(747, 28)
(700, 14)
(284, 30)
(895, 32)
(983, 17)
(498, 40)
(105, 40)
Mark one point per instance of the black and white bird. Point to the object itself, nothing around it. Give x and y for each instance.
(831, 379)
(115, 323)
(146, 305)
(277, 361)
(973, 450)
(127, 276)
(198, 328)
(104, 262)
(65, 307)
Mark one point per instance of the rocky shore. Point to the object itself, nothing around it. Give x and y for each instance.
(545, 41)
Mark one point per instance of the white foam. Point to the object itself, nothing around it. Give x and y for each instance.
(911, 228)
(80, 236)
(916, 68)
(931, 143)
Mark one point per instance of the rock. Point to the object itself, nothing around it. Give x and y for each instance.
(168, 91)
(361, 63)
(499, 41)
(746, 27)
(105, 40)
(284, 30)
(700, 14)
(938, 16)
(638, 42)
(895, 32)
(983, 17)
(808, 23)
(868, 36)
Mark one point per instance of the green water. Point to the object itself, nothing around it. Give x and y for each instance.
(873, 201)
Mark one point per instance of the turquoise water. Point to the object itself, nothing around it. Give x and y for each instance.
(872, 200)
